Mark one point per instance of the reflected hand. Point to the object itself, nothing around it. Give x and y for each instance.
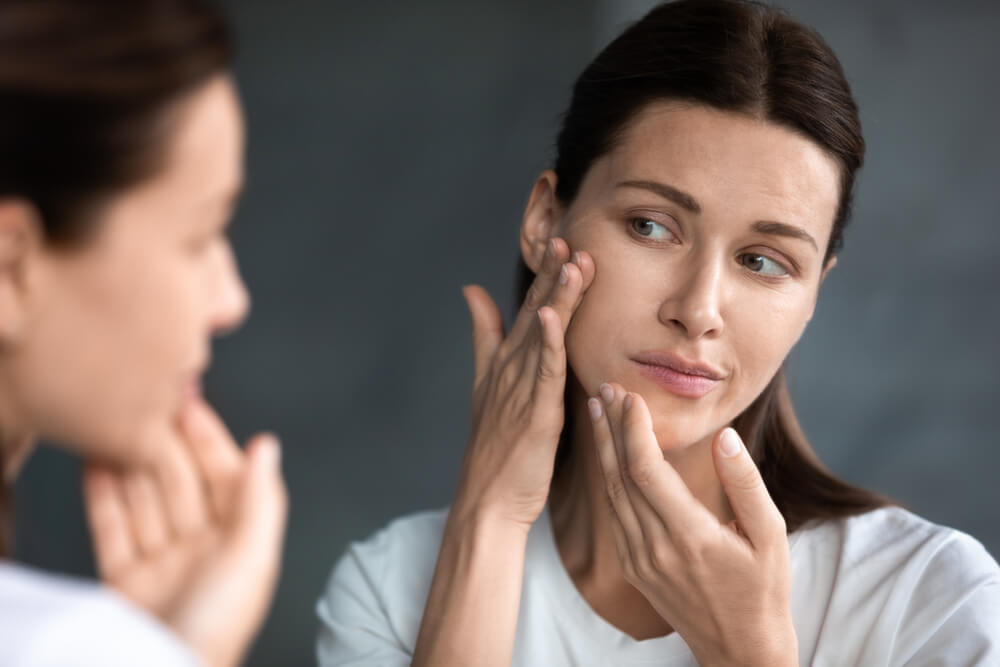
(725, 588)
(518, 390)
(196, 538)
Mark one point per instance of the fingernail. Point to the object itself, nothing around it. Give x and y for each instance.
(594, 406)
(730, 445)
(607, 393)
(563, 275)
(576, 258)
(551, 249)
(628, 401)
(270, 450)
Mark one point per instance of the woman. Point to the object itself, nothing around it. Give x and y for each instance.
(121, 151)
(636, 488)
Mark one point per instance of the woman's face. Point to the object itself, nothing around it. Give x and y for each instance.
(119, 328)
(708, 231)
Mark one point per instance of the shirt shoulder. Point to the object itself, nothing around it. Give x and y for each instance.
(50, 619)
(374, 601)
(898, 544)
(896, 588)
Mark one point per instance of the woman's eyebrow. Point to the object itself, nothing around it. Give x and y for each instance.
(783, 229)
(688, 202)
(666, 191)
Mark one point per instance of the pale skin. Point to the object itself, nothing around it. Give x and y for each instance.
(102, 346)
(660, 527)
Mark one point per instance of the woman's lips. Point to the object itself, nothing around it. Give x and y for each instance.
(681, 384)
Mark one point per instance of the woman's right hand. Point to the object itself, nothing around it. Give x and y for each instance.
(518, 391)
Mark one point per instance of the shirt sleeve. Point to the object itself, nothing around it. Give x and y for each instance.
(355, 627)
(953, 616)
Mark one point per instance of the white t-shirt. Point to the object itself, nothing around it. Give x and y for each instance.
(883, 588)
(49, 620)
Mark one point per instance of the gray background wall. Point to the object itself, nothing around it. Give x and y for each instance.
(392, 146)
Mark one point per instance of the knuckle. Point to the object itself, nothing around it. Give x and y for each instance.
(640, 470)
(748, 480)
(778, 523)
(615, 490)
(645, 568)
(692, 549)
(508, 377)
(534, 297)
(660, 558)
(548, 371)
(629, 570)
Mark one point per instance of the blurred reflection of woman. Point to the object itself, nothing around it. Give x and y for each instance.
(121, 151)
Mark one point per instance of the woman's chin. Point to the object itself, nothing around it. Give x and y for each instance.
(674, 434)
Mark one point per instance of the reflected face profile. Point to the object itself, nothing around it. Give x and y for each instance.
(708, 230)
(120, 326)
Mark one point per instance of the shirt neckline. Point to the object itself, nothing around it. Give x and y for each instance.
(607, 641)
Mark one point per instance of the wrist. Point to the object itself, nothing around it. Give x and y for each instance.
(486, 522)
(773, 649)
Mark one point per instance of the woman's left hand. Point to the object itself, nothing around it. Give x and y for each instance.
(196, 537)
(724, 588)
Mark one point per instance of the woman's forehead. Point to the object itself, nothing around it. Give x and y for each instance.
(722, 159)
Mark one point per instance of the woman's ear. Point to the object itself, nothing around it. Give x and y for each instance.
(541, 216)
(830, 263)
(19, 239)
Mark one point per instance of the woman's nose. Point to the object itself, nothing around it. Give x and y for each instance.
(693, 305)
(232, 300)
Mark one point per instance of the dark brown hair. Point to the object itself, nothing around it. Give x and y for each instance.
(85, 93)
(747, 58)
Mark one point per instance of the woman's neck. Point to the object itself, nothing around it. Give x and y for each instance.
(581, 522)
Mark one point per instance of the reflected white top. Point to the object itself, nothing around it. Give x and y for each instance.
(883, 588)
(49, 620)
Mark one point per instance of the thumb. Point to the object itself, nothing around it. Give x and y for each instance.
(263, 507)
(487, 326)
(756, 514)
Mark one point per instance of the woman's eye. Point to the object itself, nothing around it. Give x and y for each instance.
(765, 266)
(650, 229)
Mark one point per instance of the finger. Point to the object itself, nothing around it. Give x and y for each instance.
(262, 509)
(563, 301)
(608, 461)
(640, 458)
(757, 515)
(583, 260)
(219, 459)
(146, 512)
(487, 327)
(567, 294)
(550, 383)
(659, 484)
(540, 292)
(180, 485)
(607, 455)
(114, 548)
